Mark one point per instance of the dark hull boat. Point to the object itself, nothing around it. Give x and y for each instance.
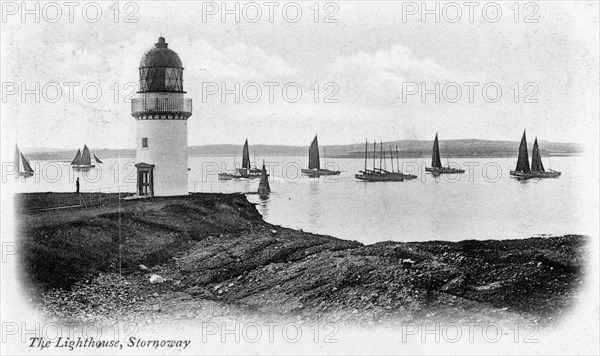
(380, 174)
(436, 162)
(22, 164)
(404, 176)
(370, 176)
(264, 189)
(537, 170)
(83, 160)
(314, 163)
(229, 176)
(247, 171)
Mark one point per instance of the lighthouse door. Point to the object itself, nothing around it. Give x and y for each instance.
(145, 179)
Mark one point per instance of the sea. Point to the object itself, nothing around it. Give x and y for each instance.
(482, 203)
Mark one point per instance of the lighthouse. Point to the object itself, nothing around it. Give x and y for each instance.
(161, 112)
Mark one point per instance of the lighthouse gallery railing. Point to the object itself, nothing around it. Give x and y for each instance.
(145, 105)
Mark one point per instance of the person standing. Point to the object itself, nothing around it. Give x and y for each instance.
(77, 185)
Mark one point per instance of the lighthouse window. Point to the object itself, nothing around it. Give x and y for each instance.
(145, 143)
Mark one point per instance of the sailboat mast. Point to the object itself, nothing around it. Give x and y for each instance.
(392, 158)
(397, 159)
(380, 154)
(17, 158)
(374, 153)
(366, 148)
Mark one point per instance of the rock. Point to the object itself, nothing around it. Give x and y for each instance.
(230, 285)
(155, 279)
(407, 262)
(273, 231)
(143, 268)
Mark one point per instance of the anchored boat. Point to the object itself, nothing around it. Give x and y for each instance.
(436, 163)
(23, 167)
(523, 171)
(83, 160)
(247, 171)
(314, 162)
(379, 174)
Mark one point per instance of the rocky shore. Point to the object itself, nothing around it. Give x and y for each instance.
(217, 258)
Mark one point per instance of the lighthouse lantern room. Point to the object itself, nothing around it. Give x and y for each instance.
(161, 112)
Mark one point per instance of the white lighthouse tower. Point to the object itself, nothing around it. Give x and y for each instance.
(161, 114)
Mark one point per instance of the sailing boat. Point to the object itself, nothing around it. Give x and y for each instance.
(436, 163)
(405, 176)
(523, 171)
(23, 167)
(263, 186)
(84, 160)
(247, 171)
(314, 162)
(379, 174)
(230, 175)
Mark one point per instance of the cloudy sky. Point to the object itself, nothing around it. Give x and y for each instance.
(364, 63)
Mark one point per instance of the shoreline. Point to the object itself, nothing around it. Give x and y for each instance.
(215, 252)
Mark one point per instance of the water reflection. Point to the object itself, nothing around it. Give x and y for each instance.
(314, 196)
(263, 205)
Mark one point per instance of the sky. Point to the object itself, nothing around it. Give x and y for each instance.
(361, 68)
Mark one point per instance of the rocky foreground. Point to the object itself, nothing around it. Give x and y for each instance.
(219, 259)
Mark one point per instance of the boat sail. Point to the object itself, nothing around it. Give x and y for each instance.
(523, 159)
(536, 159)
(537, 170)
(436, 162)
(83, 160)
(246, 156)
(247, 171)
(77, 159)
(314, 162)
(263, 186)
(22, 164)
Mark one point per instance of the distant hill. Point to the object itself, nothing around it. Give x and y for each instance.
(406, 148)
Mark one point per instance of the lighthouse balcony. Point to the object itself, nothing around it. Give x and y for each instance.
(176, 108)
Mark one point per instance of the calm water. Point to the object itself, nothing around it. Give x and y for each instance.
(483, 203)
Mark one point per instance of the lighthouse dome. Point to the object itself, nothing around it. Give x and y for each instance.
(161, 69)
(161, 56)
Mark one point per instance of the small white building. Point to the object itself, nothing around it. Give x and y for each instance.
(161, 112)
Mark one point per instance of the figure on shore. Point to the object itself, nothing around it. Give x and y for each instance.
(77, 185)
